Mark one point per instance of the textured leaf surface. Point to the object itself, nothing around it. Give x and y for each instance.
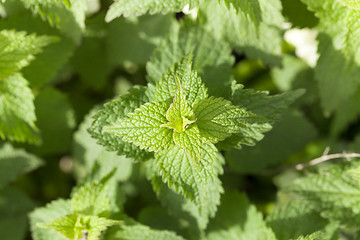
(14, 162)
(354, 4)
(338, 43)
(217, 118)
(131, 230)
(14, 207)
(143, 127)
(17, 111)
(17, 50)
(70, 21)
(114, 111)
(293, 130)
(260, 103)
(49, 213)
(140, 7)
(250, 8)
(237, 219)
(76, 226)
(212, 58)
(295, 219)
(334, 192)
(196, 181)
(191, 83)
(227, 24)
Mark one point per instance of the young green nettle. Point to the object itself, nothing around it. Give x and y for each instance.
(192, 119)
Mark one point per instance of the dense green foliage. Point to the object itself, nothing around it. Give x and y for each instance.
(179, 119)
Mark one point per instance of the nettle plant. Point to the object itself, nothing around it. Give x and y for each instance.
(148, 119)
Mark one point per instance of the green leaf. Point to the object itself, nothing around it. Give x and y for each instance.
(45, 66)
(196, 181)
(237, 219)
(212, 59)
(14, 162)
(88, 155)
(14, 207)
(75, 226)
(190, 141)
(261, 104)
(17, 111)
(113, 112)
(131, 230)
(140, 7)
(334, 192)
(295, 219)
(143, 127)
(18, 49)
(192, 86)
(92, 199)
(339, 60)
(217, 118)
(52, 211)
(250, 9)
(70, 21)
(228, 25)
(353, 4)
(293, 131)
(312, 236)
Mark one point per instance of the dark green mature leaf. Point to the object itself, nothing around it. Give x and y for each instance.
(14, 162)
(14, 207)
(54, 210)
(244, 37)
(70, 21)
(113, 111)
(237, 219)
(333, 192)
(140, 7)
(17, 111)
(295, 219)
(212, 58)
(56, 121)
(289, 136)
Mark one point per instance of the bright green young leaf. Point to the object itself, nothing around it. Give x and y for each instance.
(14, 208)
(295, 219)
(14, 162)
(18, 49)
(132, 230)
(17, 111)
(140, 7)
(52, 211)
(334, 192)
(354, 4)
(237, 219)
(227, 24)
(70, 21)
(92, 199)
(190, 141)
(196, 181)
(144, 127)
(76, 226)
(312, 236)
(113, 112)
(212, 59)
(217, 118)
(191, 84)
